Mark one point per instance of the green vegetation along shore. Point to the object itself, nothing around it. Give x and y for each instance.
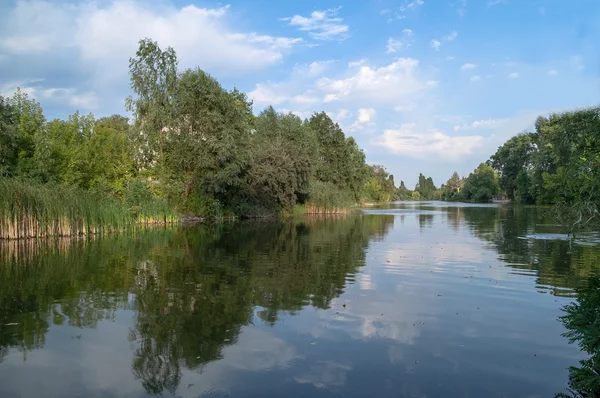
(192, 148)
(556, 164)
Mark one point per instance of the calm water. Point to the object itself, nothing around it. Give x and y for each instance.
(429, 300)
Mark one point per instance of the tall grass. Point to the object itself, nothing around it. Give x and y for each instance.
(32, 210)
(326, 198)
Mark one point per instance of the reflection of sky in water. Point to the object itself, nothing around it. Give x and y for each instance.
(435, 312)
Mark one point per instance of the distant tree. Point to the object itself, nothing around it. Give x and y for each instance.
(403, 193)
(482, 184)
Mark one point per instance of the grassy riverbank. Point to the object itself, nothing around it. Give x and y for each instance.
(33, 210)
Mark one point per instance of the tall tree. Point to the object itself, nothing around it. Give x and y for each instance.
(513, 161)
(481, 185)
(207, 148)
(153, 75)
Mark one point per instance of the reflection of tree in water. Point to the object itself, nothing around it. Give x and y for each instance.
(556, 262)
(56, 282)
(186, 318)
(194, 289)
(582, 320)
(425, 220)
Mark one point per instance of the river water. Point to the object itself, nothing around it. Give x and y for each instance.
(410, 300)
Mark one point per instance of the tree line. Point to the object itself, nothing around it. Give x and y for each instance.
(191, 146)
(558, 164)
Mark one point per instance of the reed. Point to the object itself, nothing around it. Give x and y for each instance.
(33, 210)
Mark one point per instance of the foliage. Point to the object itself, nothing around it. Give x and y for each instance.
(192, 146)
(582, 320)
(513, 161)
(403, 193)
(380, 186)
(426, 188)
(481, 185)
(451, 191)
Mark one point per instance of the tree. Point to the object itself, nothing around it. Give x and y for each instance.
(9, 139)
(281, 165)
(153, 75)
(426, 188)
(109, 155)
(582, 321)
(380, 187)
(24, 122)
(206, 150)
(451, 191)
(513, 161)
(403, 193)
(340, 161)
(481, 185)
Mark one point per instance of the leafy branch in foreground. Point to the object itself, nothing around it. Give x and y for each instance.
(582, 320)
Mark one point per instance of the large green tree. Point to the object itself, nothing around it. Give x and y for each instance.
(481, 185)
(513, 161)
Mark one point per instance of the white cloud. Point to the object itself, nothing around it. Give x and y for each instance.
(267, 94)
(394, 45)
(492, 3)
(468, 66)
(406, 107)
(406, 8)
(315, 68)
(27, 87)
(343, 114)
(513, 75)
(82, 101)
(552, 72)
(304, 99)
(436, 44)
(321, 25)
(449, 58)
(365, 115)
(56, 95)
(481, 125)
(365, 118)
(406, 140)
(475, 78)
(394, 82)
(453, 35)
(360, 62)
(415, 3)
(300, 114)
(106, 34)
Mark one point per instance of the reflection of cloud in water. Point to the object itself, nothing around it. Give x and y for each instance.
(366, 282)
(258, 350)
(325, 375)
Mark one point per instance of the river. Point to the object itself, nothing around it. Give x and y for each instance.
(407, 300)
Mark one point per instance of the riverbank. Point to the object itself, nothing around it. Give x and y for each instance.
(31, 210)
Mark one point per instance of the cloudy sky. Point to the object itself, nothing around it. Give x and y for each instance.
(426, 86)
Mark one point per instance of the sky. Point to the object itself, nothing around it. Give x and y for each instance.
(424, 86)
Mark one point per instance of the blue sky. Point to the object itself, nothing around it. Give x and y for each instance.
(429, 86)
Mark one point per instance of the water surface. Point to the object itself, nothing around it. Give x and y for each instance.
(407, 300)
